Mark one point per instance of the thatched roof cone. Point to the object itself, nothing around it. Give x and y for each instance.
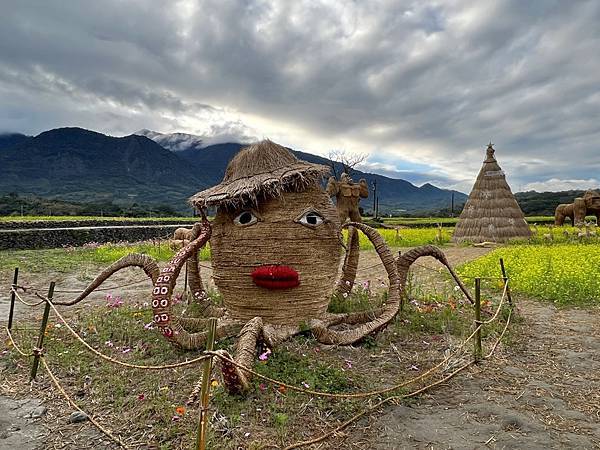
(263, 169)
(491, 213)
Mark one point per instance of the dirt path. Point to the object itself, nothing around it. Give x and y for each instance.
(541, 393)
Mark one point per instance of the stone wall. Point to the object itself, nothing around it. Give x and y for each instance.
(26, 224)
(76, 236)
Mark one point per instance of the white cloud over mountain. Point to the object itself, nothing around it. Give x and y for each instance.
(422, 84)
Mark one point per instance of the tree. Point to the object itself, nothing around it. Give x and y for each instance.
(348, 161)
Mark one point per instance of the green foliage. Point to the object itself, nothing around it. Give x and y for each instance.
(361, 299)
(305, 371)
(545, 203)
(561, 273)
(13, 205)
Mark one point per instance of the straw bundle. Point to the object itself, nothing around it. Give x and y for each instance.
(491, 213)
(273, 264)
(277, 239)
(261, 170)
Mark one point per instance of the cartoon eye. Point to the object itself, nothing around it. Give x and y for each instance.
(245, 218)
(311, 219)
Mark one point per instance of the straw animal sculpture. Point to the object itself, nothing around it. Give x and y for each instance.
(276, 249)
(491, 213)
(348, 194)
(581, 207)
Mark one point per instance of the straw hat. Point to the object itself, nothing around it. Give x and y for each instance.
(263, 169)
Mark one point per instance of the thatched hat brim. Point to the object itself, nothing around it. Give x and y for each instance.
(264, 169)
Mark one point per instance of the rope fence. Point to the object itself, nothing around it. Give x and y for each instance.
(208, 356)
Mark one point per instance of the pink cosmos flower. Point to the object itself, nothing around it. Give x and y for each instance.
(264, 356)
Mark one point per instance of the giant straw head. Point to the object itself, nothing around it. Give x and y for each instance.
(275, 243)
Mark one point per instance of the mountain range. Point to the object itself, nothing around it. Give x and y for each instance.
(153, 168)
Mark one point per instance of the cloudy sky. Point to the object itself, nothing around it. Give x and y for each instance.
(421, 86)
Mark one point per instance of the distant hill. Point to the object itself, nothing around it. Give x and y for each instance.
(80, 165)
(30, 205)
(395, 196)
(9, 139)
(83, 166)
(544, 203)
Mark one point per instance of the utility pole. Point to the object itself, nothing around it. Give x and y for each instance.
(374, 198)
(377, 207)
(452, 206)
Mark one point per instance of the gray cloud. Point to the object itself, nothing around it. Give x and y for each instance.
(425, 81)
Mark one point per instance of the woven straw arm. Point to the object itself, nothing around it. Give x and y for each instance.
(327, 336)
(407, 259)
(132, 260)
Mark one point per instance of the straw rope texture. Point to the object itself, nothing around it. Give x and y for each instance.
(278, 238)
(260, 171)
(255, 327)
(491, 213)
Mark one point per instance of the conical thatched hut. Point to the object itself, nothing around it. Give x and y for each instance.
(491, 213)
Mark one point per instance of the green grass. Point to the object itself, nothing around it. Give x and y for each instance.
(134, 400)
(147, 405)
(561, 273)
(69, 259)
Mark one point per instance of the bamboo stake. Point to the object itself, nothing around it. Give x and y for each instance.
(205, 392)
(402, 294)
(40, 342)
(505, 278)
(477, 341)
(12, 298)
(188, 299)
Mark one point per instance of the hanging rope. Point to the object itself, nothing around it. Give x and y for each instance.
(116, 361)
(74, 405)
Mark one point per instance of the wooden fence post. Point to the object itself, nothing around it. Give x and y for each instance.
(205, 392)
(12, 298)
(478, 349)
(40, 342)
(505, 278)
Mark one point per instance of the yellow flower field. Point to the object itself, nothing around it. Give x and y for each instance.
(562, 273)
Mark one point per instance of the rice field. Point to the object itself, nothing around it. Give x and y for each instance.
(560, 273)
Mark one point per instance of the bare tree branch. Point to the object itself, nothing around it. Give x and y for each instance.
(348, 160)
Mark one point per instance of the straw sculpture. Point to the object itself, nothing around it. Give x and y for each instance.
(276, 250)
(348, 194)
(491, 213)
(581, 207)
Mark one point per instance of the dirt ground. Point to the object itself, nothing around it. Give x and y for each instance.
(544, 392)
(540, 392)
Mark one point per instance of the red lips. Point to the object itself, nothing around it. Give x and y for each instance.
(275, 277)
